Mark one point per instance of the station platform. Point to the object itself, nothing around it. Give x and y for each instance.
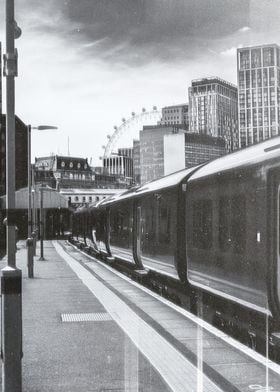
(88, 328)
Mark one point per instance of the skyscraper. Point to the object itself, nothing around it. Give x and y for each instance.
(259, 93)
(213, 110)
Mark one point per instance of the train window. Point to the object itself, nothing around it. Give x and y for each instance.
(121, 226)
(232, 224)
(158, 222)
(202, 224)
(278, 224)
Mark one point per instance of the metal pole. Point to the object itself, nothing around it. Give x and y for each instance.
(33, 199)
(11, 303)
(29, 180)
(33, 234)
(41, 226)
(29, 242)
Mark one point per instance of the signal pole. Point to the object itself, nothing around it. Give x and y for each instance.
(11, 304)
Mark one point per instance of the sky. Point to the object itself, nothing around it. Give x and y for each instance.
(86, 64)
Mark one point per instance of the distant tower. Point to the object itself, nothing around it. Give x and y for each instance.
(258, 70)
(213, 110)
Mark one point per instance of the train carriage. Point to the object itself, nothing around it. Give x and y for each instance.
(232, 212)
(145, 225)
(214, 229)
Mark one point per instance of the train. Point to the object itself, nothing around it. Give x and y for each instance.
(211, 232)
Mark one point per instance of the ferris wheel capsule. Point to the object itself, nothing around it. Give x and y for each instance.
(123, 120)
(108, 137)
(143, 110)
(154, 108)
(133, 114)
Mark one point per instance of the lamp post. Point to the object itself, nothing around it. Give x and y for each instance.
(30, 248)
(34, 233)
(41, 225)
(11, 302)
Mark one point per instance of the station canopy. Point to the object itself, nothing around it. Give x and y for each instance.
(51, 198)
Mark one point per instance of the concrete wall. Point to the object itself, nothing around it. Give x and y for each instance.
(174, 153)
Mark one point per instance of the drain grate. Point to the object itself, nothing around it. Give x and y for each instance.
(78, 317)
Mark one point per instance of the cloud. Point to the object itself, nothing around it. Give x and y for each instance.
(244, 29)
(83, 65)
(230, 51)
(136, 31)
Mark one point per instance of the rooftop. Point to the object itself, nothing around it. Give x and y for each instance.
(258, 47)
(211, 80)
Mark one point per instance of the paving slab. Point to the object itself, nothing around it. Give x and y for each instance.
(81, 355)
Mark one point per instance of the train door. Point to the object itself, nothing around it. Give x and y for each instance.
(137, 229)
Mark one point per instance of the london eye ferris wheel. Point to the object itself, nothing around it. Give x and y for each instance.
(131, 127)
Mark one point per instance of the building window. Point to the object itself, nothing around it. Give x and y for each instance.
(85, 166)
(78, 165)
(244, 59)
(62, 164)
(256, 58)
(90, 199)
(84, 199)
(268, 57)
(71, 164)
(76, 198)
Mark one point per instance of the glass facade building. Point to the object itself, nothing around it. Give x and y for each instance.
(213, 110)
(259, 93)
(202, 148)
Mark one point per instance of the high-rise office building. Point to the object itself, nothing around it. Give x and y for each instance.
(189, 149)
(213, 110)
(152, 150)
(259, 93)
